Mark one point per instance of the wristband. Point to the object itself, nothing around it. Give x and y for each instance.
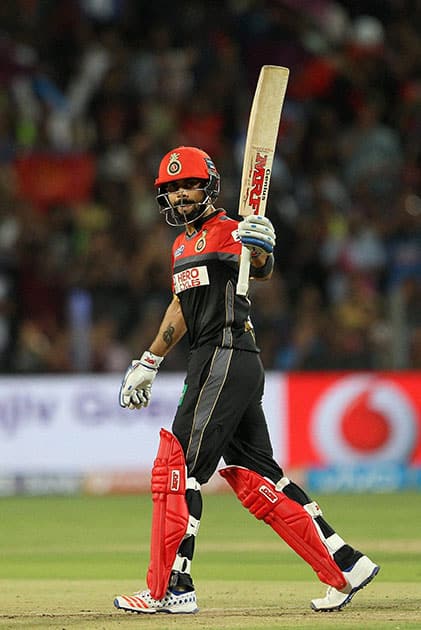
(265, 270)
(151, 360)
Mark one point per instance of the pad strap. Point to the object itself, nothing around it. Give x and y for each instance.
(181, 564)
(288, 518)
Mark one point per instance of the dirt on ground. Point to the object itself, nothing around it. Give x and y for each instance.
(87, 605)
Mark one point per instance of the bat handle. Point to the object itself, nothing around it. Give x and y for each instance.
(243, 272)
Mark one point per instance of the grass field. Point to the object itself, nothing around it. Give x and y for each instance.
(63, 559)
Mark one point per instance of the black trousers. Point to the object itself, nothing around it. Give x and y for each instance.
(220, 414)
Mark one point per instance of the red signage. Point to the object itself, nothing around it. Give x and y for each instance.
(46, 179)
(353, 418)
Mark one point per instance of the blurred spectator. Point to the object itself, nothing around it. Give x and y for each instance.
(415, 349)
(371, 152)
(304, 342)
(93, 93)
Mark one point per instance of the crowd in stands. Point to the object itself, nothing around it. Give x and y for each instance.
(93, 93)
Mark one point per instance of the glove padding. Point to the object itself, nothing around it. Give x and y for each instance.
(257, 233)
(135, 390)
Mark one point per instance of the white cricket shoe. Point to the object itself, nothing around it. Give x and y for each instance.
(143, 602)
(360, 574)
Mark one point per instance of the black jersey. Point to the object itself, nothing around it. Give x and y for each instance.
(205, 272)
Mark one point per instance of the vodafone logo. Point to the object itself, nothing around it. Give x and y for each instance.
(362, 418)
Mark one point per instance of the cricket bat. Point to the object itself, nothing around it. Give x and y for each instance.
(259, 151)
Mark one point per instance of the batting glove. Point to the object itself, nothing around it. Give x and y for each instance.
(257, 233)
(135, 390)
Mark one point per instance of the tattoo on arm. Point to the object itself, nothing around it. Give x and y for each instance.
(168, 334)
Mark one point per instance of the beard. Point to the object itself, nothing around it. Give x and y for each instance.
(195, 211)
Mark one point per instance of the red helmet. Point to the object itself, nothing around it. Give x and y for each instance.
(183, 163)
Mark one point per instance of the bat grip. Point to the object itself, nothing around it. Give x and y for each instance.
(243, 272)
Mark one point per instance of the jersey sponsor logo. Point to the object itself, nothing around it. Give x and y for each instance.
(235, 235)
(191, 278)
(179, 251)
(268, 493)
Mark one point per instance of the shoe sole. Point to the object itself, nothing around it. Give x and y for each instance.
(351, 594)
(154, 611)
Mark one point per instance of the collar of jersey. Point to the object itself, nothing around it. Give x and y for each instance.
(210, 216)
(204, 220)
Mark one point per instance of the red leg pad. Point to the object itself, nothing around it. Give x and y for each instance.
(288, 518)
(170, 514)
